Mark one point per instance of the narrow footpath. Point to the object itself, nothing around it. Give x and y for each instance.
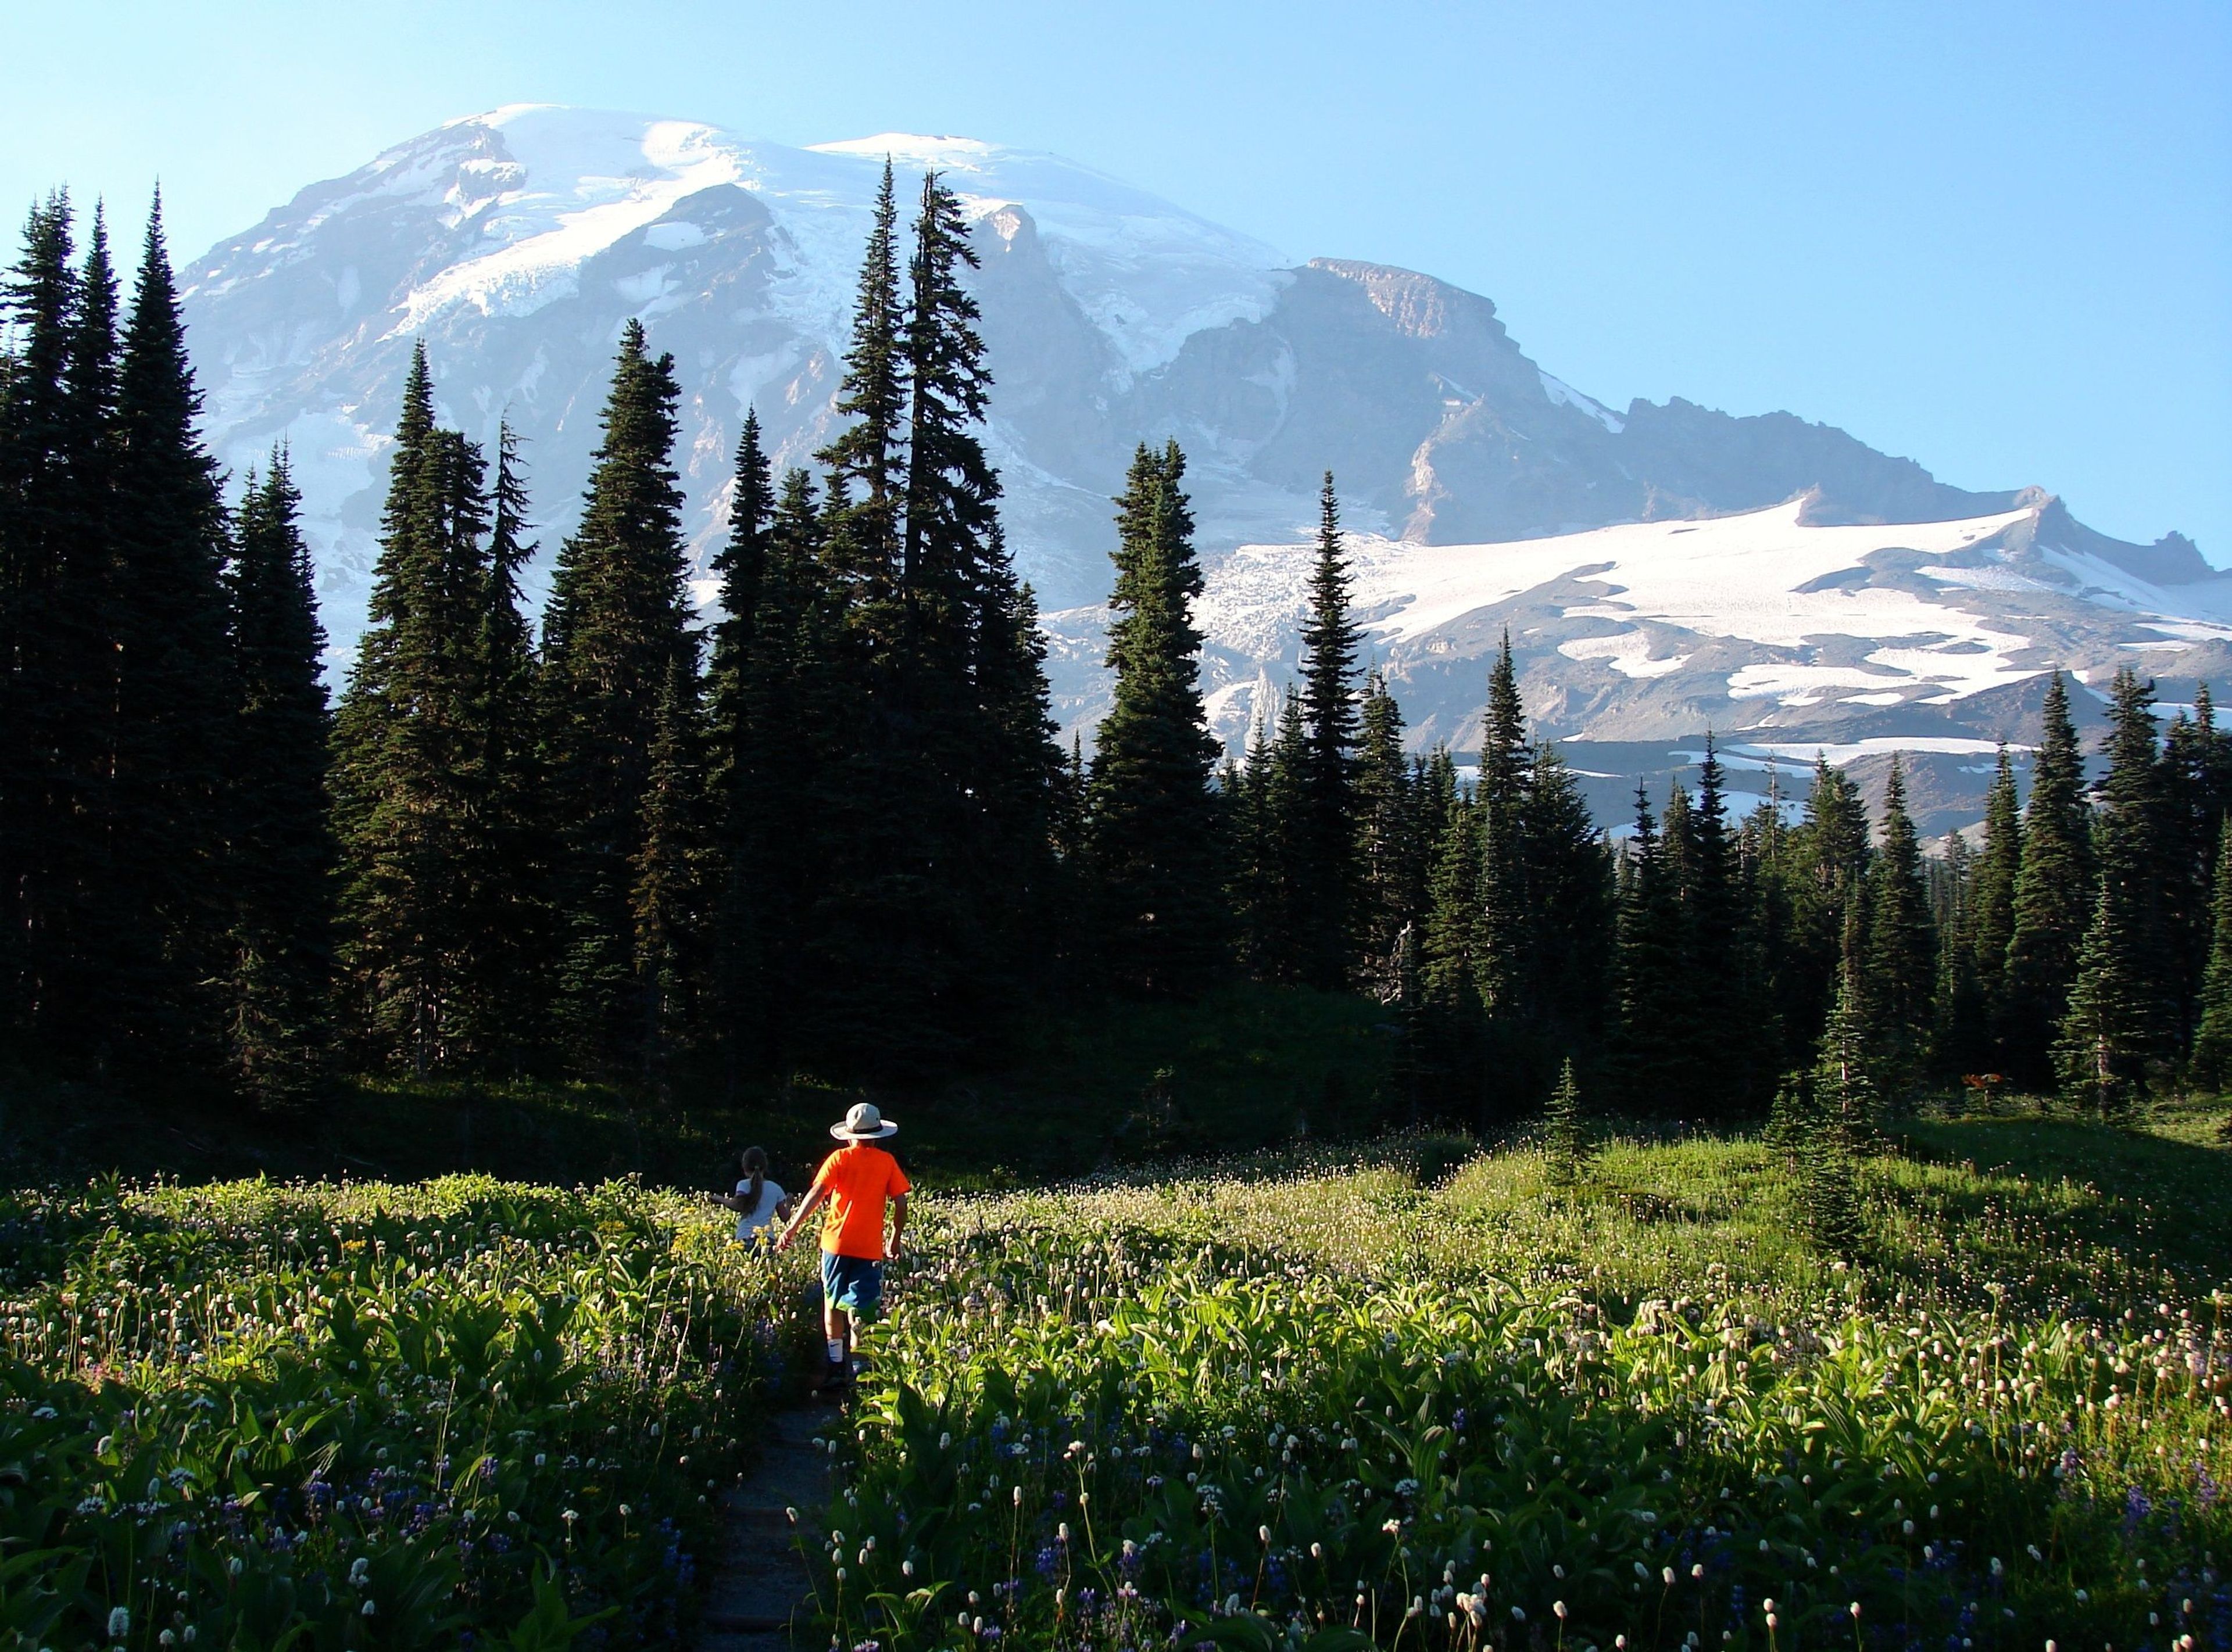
(759, 1590)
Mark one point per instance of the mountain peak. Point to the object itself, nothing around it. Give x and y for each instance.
(517, 243)
(917, 149)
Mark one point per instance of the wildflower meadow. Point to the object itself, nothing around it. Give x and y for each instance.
(1335, 1410)
(1269, 1405)
(461, 1413)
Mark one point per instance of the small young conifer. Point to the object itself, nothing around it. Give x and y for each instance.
(1566, 1145)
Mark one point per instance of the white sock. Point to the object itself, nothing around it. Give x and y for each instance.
(836, 1350)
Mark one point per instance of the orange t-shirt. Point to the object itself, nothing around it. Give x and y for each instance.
(859, 1179)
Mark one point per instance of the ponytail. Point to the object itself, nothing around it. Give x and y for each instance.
(755, 1165)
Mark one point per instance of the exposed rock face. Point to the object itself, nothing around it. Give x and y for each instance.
(518, 243)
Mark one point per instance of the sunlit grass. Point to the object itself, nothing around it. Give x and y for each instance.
(264, 1415)
(1256, 1409)
(1264, 1399)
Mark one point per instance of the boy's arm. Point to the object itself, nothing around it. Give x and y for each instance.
(806, 1208)
(899, 1225)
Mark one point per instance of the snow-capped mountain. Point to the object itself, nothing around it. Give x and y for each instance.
(517, 243)
(1663, 569)
(1782, 634)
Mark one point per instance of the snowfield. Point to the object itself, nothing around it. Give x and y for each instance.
(1770, 603)
(1766, 577)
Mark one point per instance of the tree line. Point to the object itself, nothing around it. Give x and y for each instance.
(831, 831)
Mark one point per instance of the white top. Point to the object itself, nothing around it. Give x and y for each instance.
(761, 1214)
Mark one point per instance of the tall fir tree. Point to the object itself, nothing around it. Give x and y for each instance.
(509, 851)
(2110, 1027)
(949, 530)
(1960, 1020)
(1447, 1030)
(1766, 850)
(863, 764)
(1504, 935)
(1653, 987)
(1287, 931)
(1450, 948)
(2119, 1019)
(38, 819)
(1901, 953)
(2211, 1062)
(617, 630)
(1252, 888)
(1829, 855)
(283, 853)
(408, 751)
(2137, 839)
(943, 810)
(671, 892)
(75, 722)
(175, 698)
(867, 459)
(1324, 867)
(1569, 913)
(2190, 815)
(741, 565)
(1389, 891)
(1151, 816)
(778, 735)
(1716, 1079)
(738, 759)
(1998, 870)
(1847, 1070)
(2053, 900)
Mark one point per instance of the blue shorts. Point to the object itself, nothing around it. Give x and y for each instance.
(852, 1283)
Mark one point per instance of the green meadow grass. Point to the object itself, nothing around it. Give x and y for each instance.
(1315, 1395)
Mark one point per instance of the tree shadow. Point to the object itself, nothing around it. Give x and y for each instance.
(2066, 1210)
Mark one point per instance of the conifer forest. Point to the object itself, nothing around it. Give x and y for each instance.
(831, 831)
(1725, 1227)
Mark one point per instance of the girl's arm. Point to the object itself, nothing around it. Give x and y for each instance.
(806, 1206)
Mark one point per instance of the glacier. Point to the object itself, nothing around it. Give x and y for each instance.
(1663, 569)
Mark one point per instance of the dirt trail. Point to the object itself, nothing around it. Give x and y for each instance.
(759, 1588)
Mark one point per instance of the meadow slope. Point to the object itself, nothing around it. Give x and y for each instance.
(1278, 1403)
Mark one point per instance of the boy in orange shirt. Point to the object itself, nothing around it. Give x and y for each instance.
(856, 1182)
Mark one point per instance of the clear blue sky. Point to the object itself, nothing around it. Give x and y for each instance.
(1995, 238)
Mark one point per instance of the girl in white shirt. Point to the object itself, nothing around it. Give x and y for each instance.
(759, 1202)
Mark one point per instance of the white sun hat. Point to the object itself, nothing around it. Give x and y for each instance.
(864, 1124)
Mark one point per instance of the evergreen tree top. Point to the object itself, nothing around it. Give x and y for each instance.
(93, 341)
(38, 299)
(950, 555)
(2132, 781)
(415, 421)
(1644, 840)
(2058, 769)
(1158, 575)
(157, 393)
(1503, 732)
(1896, 821)
(1330, 640)
(742, 562)
(509, 550)
(871, 396)
(620, 577)
(278, 642)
